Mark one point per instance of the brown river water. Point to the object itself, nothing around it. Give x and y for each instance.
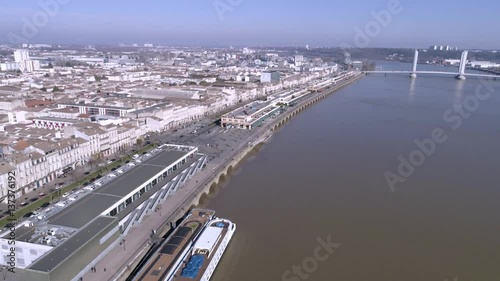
(343, 192)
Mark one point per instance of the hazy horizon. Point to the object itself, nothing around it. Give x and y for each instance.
(317, 23)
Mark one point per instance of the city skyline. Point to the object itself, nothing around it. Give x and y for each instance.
(253, 23)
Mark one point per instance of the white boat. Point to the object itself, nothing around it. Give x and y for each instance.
(193, 251)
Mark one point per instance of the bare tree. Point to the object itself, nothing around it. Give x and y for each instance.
(93, 161)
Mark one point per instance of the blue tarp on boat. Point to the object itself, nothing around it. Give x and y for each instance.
(193, 266)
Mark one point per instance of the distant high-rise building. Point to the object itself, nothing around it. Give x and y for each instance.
(299, 59)
(307, 47)
(21, 56)
(270, 77)
(148, 45)
(31, 65)
(9, 66)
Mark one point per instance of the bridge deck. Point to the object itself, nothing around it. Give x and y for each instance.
(432, 72)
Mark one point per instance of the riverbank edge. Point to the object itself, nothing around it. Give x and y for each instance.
(223, 171)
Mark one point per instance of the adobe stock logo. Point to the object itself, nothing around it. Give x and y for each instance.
(48, 9)
(309, 265)
(373, 28)
(223, 6)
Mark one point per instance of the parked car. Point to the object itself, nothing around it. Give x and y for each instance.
(41, 194)
(99, 183)
(111, 175)
(85, 183)
(131, 164)
(138, 161)
(120, 171)
(33, 199)
(45, 205)
(24, 204)
(66, 194)
(28, 215)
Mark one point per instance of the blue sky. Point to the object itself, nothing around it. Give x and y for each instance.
(465, 24)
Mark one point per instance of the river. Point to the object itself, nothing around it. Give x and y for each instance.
(322, 179)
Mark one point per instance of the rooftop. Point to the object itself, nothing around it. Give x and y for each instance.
(64, 251)
(84, 210)
(56, 119)
(97, 106)
(247, 110)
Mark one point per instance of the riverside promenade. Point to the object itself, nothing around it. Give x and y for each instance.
(118, 263)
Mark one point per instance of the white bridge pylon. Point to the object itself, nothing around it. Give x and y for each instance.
(413, 73)
(461, 68)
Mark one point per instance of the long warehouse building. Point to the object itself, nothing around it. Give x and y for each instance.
(64, 245)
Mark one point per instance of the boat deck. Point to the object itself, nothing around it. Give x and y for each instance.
(170, 251)
(207, 259)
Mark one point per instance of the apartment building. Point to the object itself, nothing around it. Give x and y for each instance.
(39, 162)
(106, 140)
